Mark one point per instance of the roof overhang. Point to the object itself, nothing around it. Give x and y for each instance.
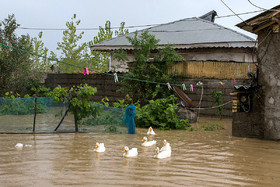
(251, 44)
(266, 19)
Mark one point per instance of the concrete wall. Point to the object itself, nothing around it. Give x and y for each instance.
(264, 120)
(269, 79)
(107, 87)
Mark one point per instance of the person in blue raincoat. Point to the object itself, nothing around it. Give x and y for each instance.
(128, 119)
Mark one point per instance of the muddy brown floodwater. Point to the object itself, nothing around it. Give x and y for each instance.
(199, 158)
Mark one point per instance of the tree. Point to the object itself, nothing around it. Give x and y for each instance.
(15, 65)
(151, 65)
(102, 59)
(39, 64)
(80, 55)
(78, 99)
(72, 52)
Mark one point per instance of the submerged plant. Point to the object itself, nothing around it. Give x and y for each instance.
(212, 127)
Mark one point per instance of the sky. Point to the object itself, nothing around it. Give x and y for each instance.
(94, 13)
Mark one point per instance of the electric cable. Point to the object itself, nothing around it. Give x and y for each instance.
(272, 10)
(128, 27)
(233, 11)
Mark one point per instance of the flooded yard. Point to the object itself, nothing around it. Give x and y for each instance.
(199, 158)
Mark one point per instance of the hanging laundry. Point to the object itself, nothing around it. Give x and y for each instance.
(191, 87)
(184, 87)
(169, 86)
(199, 83)
(116, 79)
(86, 71)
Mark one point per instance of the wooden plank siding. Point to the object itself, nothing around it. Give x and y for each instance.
(212, 69)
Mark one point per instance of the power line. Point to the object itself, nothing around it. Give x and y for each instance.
(264, 9)
(93, 28)
(244, 13)
(233, 11)
(127, 27)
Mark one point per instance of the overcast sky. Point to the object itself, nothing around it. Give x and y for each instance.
(94, 13)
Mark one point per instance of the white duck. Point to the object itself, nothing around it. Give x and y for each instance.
(19, 145)
(151, 131)
(166, 146)
(130, 152)
(148, 143)
(162, 154)
(99, 147)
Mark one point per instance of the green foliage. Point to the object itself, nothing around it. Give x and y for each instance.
(78, 98)
(36, 89)
(15, 66)
(218, 101)
(101, 60)
(109, 117)
(18, 70)
(120, 104)
(122, 30)
(160, 113)
(39, 64)
(212, 127)
(149, 66)
(71, 51)
(13, 104)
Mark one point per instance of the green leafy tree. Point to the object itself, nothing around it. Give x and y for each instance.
(121, 30)
(15, 66)
(102, 59)
(78, 99)
(151, 64)
(39, 64)
(80, 54)
(71, 51)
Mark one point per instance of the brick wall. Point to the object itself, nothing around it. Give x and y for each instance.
(106, 87)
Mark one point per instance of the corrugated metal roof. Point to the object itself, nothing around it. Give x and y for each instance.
(185, 33)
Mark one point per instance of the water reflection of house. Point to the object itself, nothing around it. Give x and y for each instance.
(262, 120)
(210, 50)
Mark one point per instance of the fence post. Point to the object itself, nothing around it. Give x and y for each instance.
(62, 119)
(35, 113)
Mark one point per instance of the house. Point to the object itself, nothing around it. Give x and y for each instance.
(262, 121)
(210, 50)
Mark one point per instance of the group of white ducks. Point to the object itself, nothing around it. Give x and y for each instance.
(164, 152)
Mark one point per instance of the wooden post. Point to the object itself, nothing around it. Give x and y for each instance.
(35, 113)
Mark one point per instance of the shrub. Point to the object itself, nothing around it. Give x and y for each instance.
(13, 104)
(218, 101)
(160, 113)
